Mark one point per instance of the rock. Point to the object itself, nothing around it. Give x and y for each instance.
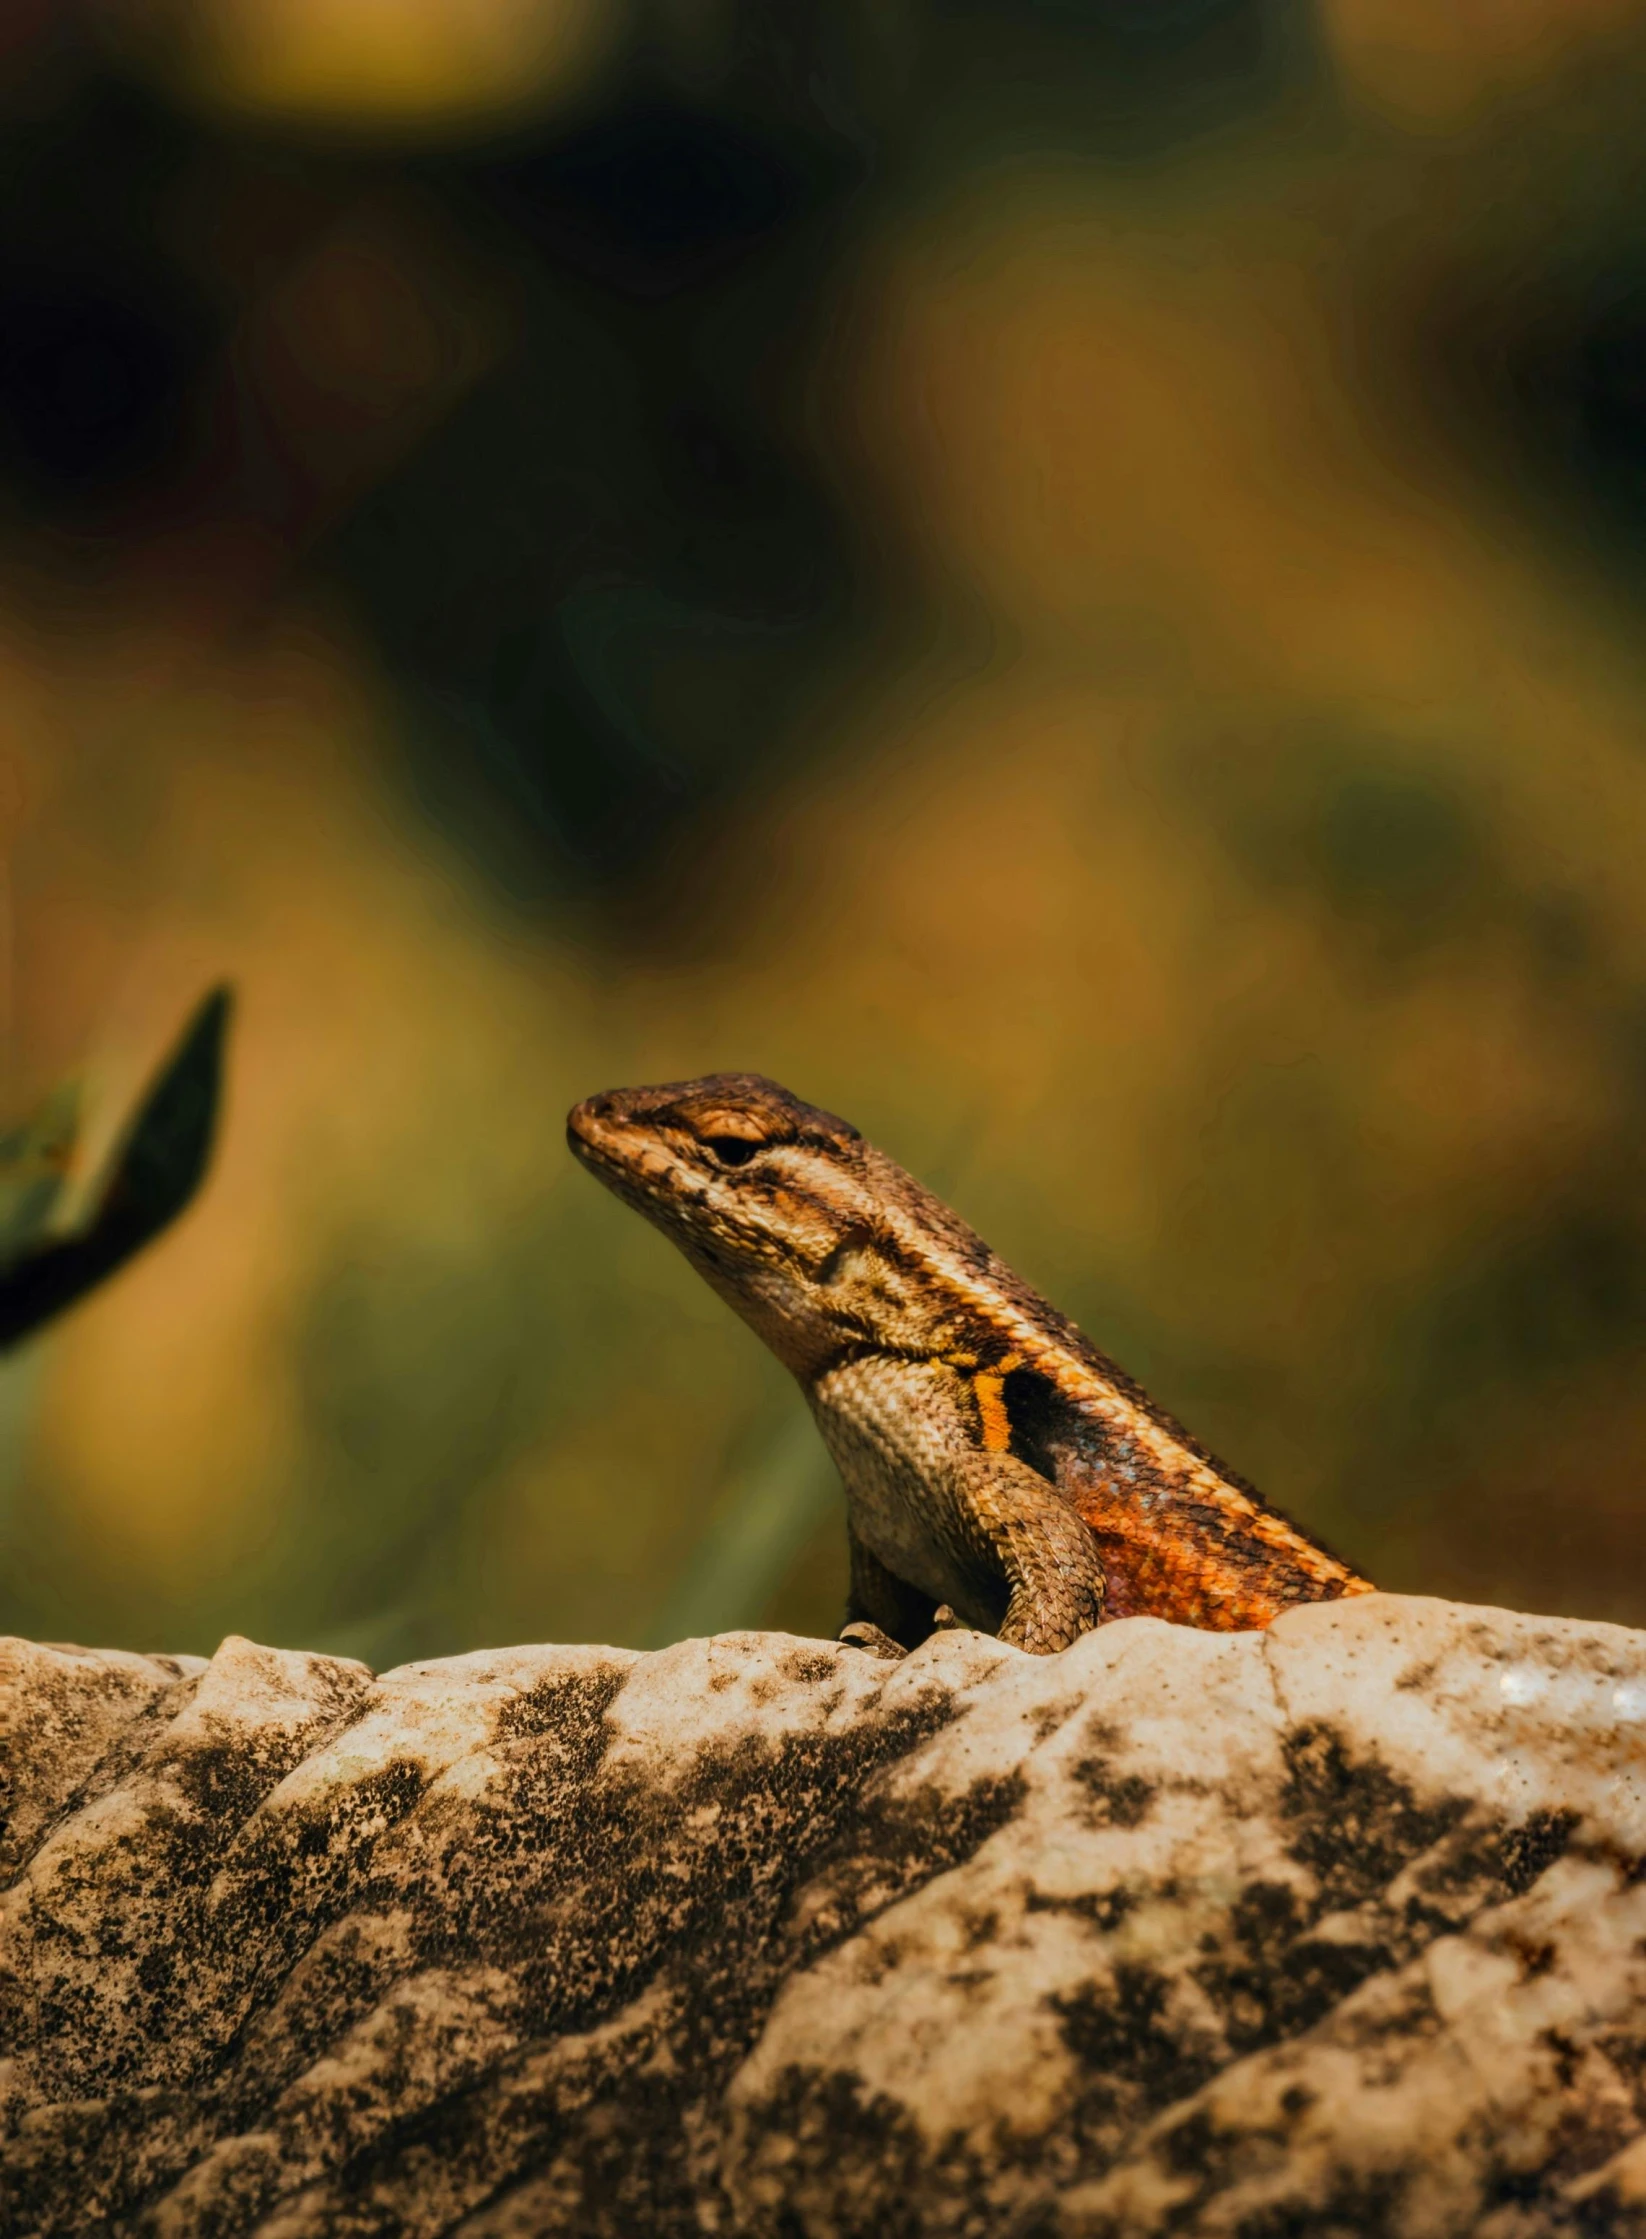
(1338, 1929)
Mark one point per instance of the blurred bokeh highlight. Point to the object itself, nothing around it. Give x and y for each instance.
(1066, 578)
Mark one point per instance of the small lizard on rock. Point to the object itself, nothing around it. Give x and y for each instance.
(999, 1470)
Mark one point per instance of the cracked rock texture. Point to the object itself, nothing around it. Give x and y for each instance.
(1337, 1929)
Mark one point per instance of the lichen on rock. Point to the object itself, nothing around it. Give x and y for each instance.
(1339, 1928)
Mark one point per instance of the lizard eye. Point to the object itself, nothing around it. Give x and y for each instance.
(731, 1150)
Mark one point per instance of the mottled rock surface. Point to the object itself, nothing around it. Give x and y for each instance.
(1339, 1929)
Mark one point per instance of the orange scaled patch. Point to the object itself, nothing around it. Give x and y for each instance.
(989, 1387)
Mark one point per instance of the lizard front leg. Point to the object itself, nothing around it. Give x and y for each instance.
(1049, 1559)
(884, 1614)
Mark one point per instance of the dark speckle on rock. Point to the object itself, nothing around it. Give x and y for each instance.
(1352, 1821)
(567, 1707)
(1104, 1909)
(1116, 1799)
(1122, 2031)
(1531, 1849)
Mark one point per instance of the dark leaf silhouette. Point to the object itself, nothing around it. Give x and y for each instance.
(155, 1172)
(35, 1157)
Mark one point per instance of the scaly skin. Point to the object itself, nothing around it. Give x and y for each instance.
(999, 1470)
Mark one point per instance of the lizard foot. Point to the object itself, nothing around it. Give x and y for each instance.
(944, 1620)
(861, 1634)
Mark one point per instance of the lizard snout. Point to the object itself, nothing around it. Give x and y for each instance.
(589, 1123)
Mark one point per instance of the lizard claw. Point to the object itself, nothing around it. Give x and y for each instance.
(944, 1620)
(861, 1634)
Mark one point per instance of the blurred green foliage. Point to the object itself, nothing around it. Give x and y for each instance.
(1063, 579)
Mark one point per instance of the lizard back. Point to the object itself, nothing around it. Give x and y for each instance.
(1183, 1536)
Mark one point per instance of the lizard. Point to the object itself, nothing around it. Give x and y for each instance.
(1000, 1471)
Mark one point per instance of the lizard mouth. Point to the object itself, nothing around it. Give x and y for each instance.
(629, 1158)
(595, 1136)
(587, 1122)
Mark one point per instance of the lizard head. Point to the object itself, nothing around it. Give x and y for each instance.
(782, 1208)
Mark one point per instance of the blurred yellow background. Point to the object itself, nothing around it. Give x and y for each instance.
(1066, 579)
